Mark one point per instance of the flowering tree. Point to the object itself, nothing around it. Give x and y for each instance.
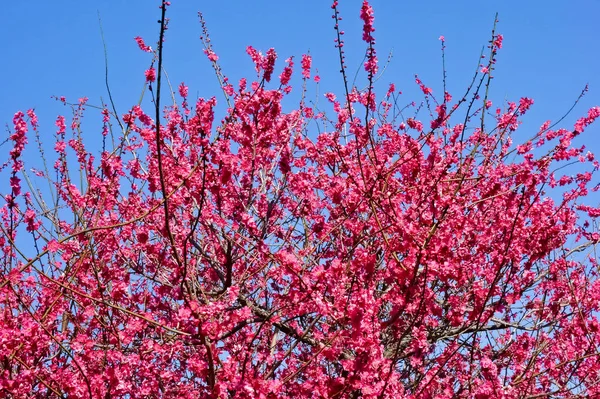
(385, 257)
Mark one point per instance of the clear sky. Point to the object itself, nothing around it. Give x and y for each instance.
(50, 48)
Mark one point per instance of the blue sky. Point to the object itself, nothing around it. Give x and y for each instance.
(54, 48)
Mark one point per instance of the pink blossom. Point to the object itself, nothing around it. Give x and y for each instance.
(60, 146)
(52, 246)
(30, 219)
(269, 64)
(229, 90)
(150, 75)
(391, 90)
(414, 124)
(212, 56)
(142, 45)
(426, 90)
(19, 138)
(367, 15)
(498, 41)
(524, 104)
(183, 90)
(286, 75)
(15, 185)
(306, 64)
(256, 57)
